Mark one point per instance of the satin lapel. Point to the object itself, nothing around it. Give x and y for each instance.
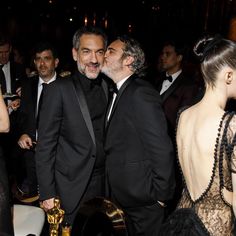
(105, 88)
(121, 90)
(84, 107)
(172, 88)
(159, 87)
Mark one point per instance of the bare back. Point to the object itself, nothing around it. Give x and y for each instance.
(196, 139)
(204, 140)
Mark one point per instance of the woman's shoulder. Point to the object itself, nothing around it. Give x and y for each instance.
(181, 113)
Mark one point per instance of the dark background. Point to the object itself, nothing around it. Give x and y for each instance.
(150, 21)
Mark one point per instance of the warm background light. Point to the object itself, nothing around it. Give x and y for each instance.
(232, 29)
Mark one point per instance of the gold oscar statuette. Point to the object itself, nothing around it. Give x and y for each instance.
(66, 230)
(55, 217)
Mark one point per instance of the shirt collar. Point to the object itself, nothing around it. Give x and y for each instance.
(6, 66)
(41, 81)
(175, 75)
(120, 83)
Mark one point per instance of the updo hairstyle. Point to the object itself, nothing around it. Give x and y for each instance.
(214, 53)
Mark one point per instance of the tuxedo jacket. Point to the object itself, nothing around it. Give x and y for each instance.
(182, 92)
(139, 152)
(28, 109)
(66, 148)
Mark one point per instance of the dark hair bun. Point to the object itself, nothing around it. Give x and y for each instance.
(206, 45)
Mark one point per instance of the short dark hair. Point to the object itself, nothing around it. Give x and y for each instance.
(180, 47)
(45, 45)
(88, 30)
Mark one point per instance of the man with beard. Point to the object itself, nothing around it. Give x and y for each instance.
(139, 152)
(69, 153)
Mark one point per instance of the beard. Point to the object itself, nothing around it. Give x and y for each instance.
(91, 71)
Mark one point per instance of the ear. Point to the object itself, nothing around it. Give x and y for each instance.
(128, 60)
(180, 58)
(74, 54)
(56, 62)
(228, 77)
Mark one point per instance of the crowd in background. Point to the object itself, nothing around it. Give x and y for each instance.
(126, 140)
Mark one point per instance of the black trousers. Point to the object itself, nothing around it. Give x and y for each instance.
(145, 220)
(29, 182)
(95, 188)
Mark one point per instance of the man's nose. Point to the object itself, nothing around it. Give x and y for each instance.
(42, 62)
(94, 57)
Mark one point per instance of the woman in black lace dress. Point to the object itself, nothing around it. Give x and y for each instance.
(206, 143)
(206, 140)
(6, 225)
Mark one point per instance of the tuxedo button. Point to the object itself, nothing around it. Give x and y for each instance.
(93, 155)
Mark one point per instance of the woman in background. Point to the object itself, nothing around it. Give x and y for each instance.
(6, 223)
(206, 139)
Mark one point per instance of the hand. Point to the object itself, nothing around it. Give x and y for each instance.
(25, 142)
(47, 204)
(14, 104)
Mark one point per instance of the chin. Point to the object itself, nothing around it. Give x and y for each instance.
(91, 75)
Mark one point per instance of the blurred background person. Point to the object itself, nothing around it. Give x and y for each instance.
(177, 88)
(46, 62)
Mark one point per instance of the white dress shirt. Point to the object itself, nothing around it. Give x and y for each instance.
(40, 86)
(166, 83)
(118, 85)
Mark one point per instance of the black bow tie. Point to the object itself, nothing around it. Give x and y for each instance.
(168, 78)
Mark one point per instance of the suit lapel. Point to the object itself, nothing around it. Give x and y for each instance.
(105, 88)
(172, 88)
(121, 90)
(84, 107)
(160, 86)
(35, 93)
(14, 79)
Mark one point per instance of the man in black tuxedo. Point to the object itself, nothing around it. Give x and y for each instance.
(139, 153)
(69, 153)
(177, 88)
(13, 72)
(46, 61)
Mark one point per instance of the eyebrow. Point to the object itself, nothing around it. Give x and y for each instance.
(111, 49)
(89, 49)
(5, 51)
